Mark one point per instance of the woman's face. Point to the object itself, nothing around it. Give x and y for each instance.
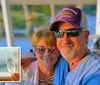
(47, 55)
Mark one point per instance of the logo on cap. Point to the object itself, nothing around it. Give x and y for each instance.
(65, 14)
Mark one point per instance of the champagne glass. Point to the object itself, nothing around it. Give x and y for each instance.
(10, 63)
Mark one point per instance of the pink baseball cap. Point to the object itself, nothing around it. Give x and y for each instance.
(71, 15)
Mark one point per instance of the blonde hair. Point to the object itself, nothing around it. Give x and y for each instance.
(45, 34)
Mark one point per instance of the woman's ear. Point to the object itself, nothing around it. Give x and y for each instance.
(34, 52)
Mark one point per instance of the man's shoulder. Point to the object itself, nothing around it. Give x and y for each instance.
(94, 59)
(91, 65)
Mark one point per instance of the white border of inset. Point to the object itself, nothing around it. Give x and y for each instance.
(19, 63)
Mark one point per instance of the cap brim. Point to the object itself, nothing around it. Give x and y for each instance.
(55, 25)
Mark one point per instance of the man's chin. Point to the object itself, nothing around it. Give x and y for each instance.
(67, 54)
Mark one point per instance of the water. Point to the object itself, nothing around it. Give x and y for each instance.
(24, 43)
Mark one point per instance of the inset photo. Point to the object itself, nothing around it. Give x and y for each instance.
(10, 64)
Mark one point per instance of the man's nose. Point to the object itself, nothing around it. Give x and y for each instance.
(65, 38)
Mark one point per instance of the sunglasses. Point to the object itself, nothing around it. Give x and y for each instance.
(70, 33)
(42, 49)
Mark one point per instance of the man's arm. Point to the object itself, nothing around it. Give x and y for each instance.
(26, 62)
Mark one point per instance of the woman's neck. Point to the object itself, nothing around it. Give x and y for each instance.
(45, 73)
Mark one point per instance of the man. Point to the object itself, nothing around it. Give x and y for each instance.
(81, 66)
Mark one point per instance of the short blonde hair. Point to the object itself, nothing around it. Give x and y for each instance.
(45, 34)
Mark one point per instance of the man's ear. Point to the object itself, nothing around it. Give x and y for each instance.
(87, 33)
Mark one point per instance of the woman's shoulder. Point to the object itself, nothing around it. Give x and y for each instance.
(31, 70)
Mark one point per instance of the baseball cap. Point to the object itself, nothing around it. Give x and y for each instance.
(72, 15)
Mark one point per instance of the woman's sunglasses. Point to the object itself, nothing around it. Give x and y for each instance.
(42, 49)
(70, 33)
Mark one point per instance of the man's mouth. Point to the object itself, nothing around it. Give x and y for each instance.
(68, 45)
(46, 58)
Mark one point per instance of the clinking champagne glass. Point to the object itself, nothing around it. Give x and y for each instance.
(10, 62)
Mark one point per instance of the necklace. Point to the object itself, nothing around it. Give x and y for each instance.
(71, 64)
(48, 81)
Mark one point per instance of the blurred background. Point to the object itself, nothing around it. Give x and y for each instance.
(27, 18)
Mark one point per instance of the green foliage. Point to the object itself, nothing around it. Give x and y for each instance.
(35, 8)
(18, 19)
(89, 9)
(40, 9)
(40, 21)
(47, 10)
(16, 7)
(59, 7)
(40, 14)
(18, 22)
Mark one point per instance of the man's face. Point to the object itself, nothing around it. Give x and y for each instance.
(72, 46)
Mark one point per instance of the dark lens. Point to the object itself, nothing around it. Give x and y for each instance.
(51, 50)
(73, 34)
(40, 50)
(59, 34)
(57, 30)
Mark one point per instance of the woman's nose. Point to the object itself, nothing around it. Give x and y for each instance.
(47, 52)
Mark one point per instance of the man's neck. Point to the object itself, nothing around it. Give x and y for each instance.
(75, 61)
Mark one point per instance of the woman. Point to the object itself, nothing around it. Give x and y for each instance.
(41, 72)
(44, 43)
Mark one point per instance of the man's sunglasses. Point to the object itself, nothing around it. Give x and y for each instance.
(70, 33)
(42, 49)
